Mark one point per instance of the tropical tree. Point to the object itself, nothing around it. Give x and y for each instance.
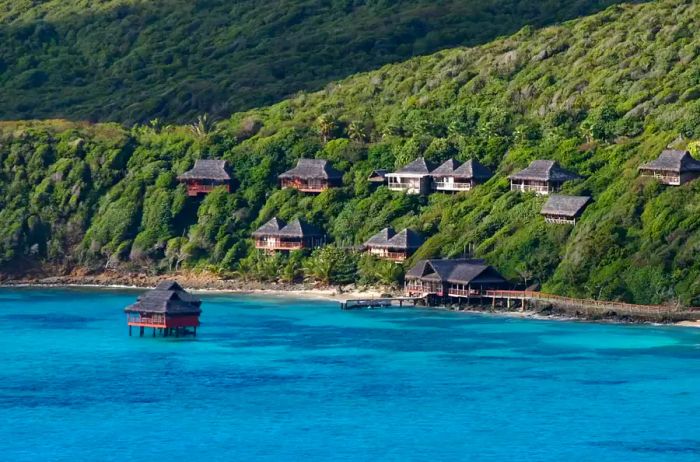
(203, 126)
(331, 265)
(356, 132)
(326, 125)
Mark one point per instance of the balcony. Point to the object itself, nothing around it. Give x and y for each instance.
(537, 189)
(407, 185)
(665, 178)
(451, 186)
(278, 245)
(388, 255)
(156, 320)
(418, 288)
(306, 186)
(557, 220)
(197, 189)
(463, 293)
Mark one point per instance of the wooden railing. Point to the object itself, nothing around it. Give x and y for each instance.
(306, 186)
(530, 188)
(447, 186)
(671, 179)
(463, 293)
(559, 220)
(620, 307)
(195, 189)
(278, 245)
(424, 289)
(155, 320)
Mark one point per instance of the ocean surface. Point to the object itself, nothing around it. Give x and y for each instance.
(278, 379)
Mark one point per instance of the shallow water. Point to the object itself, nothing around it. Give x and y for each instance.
(277, 379)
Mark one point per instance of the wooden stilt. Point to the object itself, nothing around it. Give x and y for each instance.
(141, 331)
(129, 331)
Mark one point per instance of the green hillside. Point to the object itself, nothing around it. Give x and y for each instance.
(602, 95)
(135, 60)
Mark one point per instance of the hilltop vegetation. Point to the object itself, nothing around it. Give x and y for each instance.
(135, 60)
(601, 95)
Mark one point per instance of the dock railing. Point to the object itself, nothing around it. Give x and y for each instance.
(589, 304)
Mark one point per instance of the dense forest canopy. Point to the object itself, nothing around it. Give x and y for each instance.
(601, 95)
(135, 60)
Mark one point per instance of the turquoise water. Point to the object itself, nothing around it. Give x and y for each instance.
(273, 379)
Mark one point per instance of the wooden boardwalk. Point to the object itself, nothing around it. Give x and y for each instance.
(592, 308)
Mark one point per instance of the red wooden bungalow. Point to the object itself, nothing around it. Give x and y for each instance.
(276, 235)
(168, 308)
(389, 245)
(311, 176)
(205, 176)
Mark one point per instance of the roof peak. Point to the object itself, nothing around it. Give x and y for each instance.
(307, 168)
(417, 166)
(207, 169)
(544, 170)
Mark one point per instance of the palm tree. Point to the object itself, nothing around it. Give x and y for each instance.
(203, 126)
(319, 268)
(326, 126)
(388, 273)
(356, 132)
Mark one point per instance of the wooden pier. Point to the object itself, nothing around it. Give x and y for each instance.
(524, 299)
(387, 302)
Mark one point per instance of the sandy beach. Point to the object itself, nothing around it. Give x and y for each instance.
(205, 282)
(201, 282)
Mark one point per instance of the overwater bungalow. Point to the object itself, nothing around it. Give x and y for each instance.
(389, 245)
(672, 167)
(168, 309)
(206, 175)
(456, 279)
(541, 177)
(452, 176)
(276, 235)
(560, 209)
(414, 178)
(311, 176)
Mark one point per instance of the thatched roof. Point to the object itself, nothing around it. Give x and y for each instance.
(473, 169)
(568, 206)
(447, 168)
(207, 169)
(416, 168)
(544, 170)
(299, 228)
(312, 169)
(295, 228)
(455, 271)
(270, 228)
(381, 238)
(377, 176)
(388, 238)
(673, 161)
(167, 298)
